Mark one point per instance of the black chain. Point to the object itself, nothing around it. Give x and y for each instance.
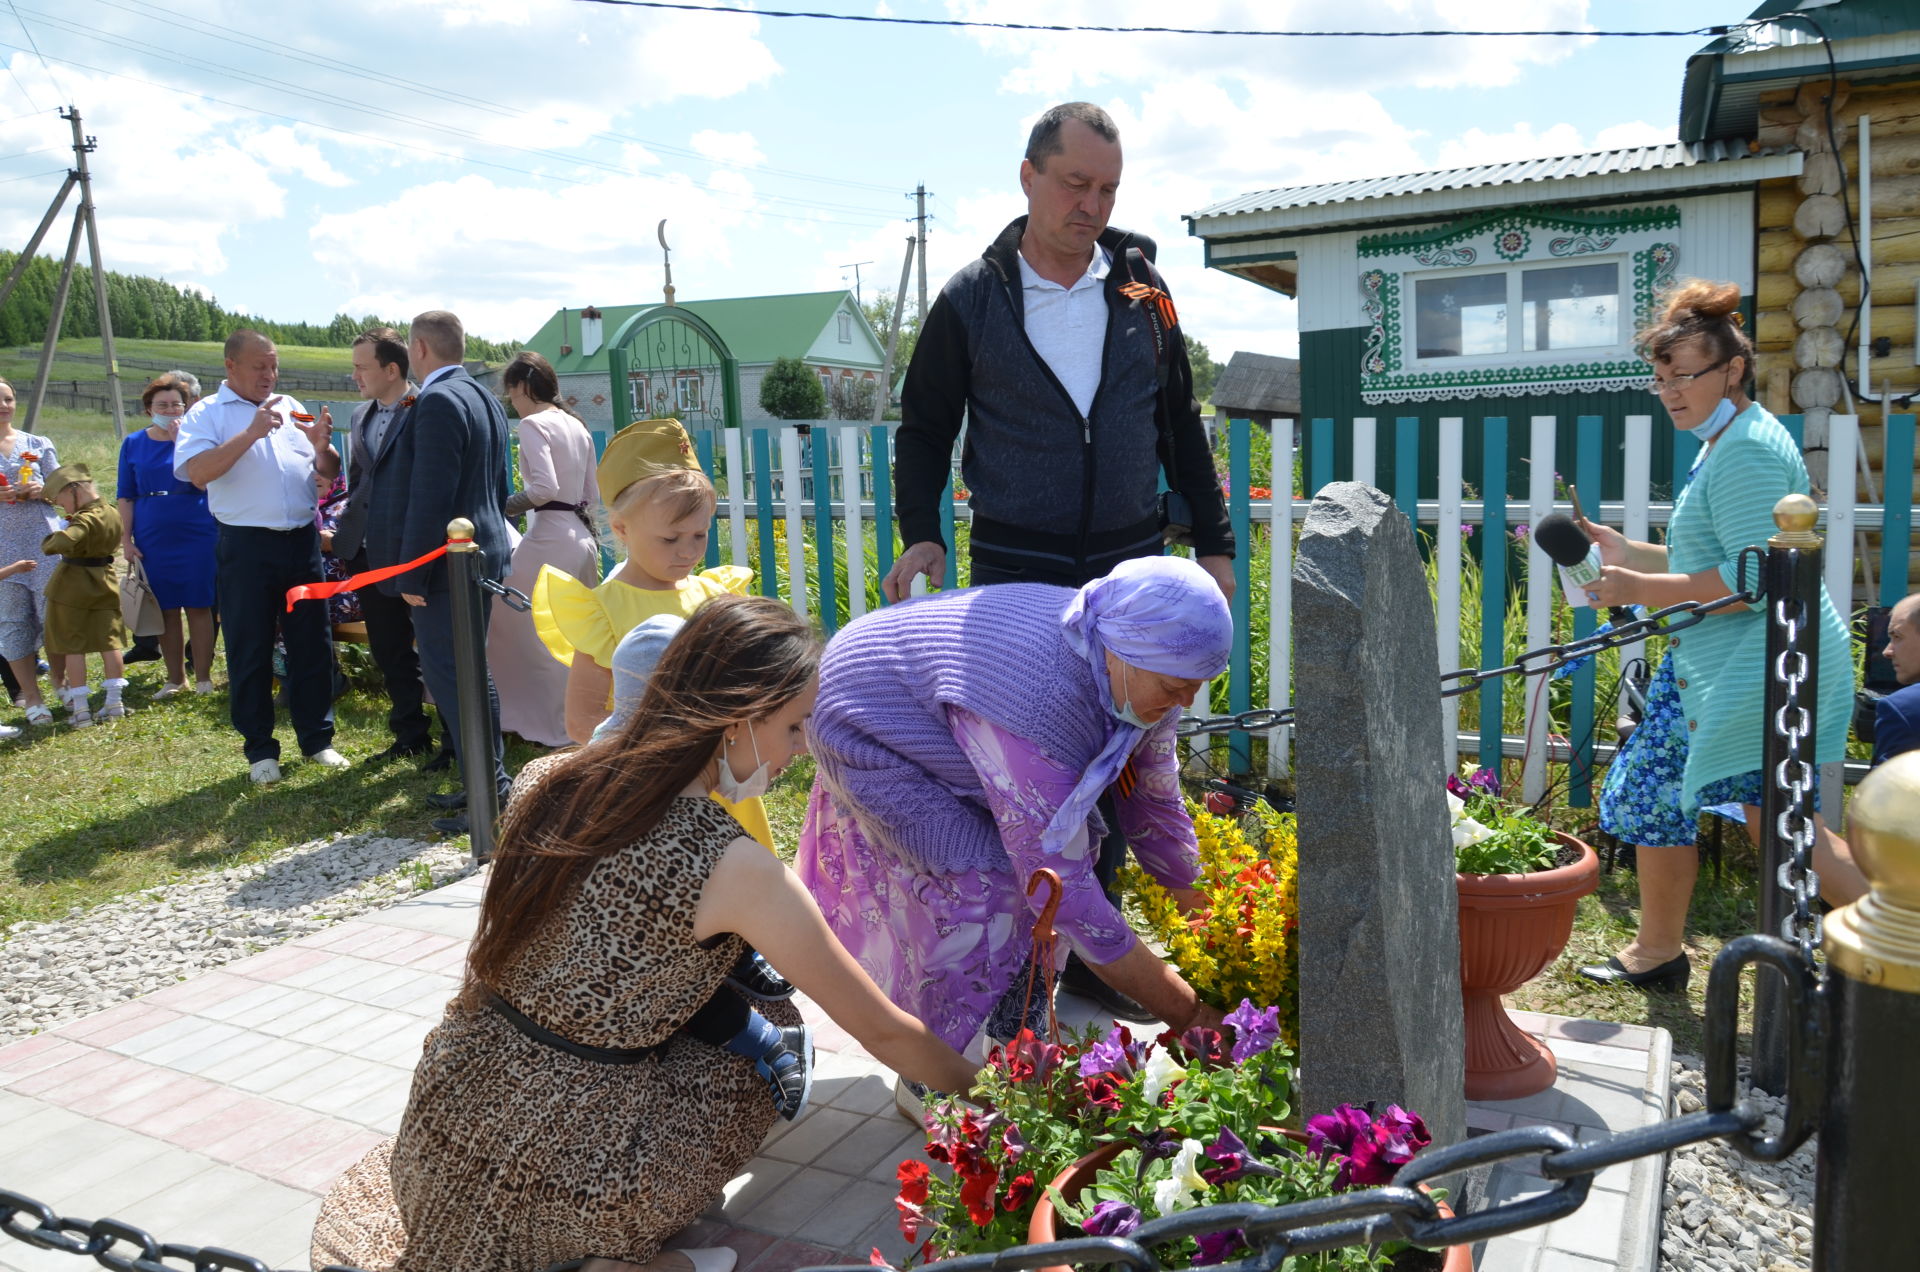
(1535, 662)
(515, 599)
(1794, 778)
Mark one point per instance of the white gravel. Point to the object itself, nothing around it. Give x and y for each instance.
(1725, 1213)
(92, 959)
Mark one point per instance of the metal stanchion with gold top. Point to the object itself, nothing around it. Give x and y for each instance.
(1872, 1117)
(477, 759)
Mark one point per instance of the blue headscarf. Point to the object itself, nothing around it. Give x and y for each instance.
(1164, 615)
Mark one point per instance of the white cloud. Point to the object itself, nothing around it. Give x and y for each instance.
(729, 147)
(1524, 141)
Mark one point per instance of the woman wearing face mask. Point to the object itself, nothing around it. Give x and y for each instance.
(561, 1111)
(1699, 743)
(169, 531)
(961, 742)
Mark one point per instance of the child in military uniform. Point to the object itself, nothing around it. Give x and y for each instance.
(83, 598)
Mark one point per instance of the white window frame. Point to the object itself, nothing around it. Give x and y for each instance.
(680, 395)
(826, 381)
(637, 395)
(1516, 355)
(846, 327)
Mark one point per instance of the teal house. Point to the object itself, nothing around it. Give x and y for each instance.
(681, 377)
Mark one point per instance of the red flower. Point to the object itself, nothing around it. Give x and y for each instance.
(911, 1203)
(1019, 1193)
(977, 1193)
(1103, 1091)
(408, 400)
(1028, 1057)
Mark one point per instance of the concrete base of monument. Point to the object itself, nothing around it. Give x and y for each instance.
(218, 1111)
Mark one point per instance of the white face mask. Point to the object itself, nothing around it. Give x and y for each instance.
(164, 421)
(731, 788)
(1125, 712)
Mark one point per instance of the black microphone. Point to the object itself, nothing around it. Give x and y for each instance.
(1578, 556)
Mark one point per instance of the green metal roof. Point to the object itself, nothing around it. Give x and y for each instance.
(1720, 96)
(757, 329)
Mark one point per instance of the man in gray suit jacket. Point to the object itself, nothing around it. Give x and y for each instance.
(446, 458)
(380, 370)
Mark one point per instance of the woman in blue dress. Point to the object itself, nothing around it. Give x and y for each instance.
(1699, 743)
(170, 532)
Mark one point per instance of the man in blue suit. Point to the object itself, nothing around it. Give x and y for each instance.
(446, 458)
(1896, 720)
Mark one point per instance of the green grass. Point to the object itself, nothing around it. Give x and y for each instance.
(188, 353)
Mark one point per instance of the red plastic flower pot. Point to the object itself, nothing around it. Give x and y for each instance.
(1511, 927)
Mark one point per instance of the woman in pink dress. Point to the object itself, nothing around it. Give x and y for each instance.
(558, 493)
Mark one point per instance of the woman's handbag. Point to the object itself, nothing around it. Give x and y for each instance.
(138, 609)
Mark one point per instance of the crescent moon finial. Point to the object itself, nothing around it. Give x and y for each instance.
(661, 234)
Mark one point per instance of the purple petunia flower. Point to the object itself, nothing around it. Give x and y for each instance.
(1255, 1029)
(1231, 1153)
(1111, 1219)
(1218, 1247)
(1466, 531)
(1485, 780)
(1338, 1131)
(1522, 530)
(1109, 1055)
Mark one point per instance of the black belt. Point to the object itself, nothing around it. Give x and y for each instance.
(579, 510)
(88, 560)
(547, 1038)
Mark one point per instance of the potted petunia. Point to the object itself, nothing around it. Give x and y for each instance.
(1519, 883)
(1106, 1133)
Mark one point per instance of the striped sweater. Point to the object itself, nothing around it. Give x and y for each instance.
(1720, 663)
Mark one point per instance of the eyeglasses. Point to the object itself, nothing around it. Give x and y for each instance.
(1674, 384)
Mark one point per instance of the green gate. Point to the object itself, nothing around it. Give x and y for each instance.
(669, 362)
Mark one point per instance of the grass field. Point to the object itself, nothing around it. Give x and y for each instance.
(187, 353)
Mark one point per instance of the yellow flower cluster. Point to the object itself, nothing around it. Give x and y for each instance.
(1244, 945)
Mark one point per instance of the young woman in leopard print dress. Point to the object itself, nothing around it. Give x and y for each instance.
(557, 1112)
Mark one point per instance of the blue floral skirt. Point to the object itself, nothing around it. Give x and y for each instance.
(1640, 800)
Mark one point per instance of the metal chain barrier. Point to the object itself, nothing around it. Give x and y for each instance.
(1535, 662)
(1794, 778)
(513, 596)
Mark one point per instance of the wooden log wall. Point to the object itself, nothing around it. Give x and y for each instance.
(1808, 284)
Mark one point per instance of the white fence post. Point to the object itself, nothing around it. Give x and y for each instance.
(1366, 433)
(737, 495)
(1280, 593)
(856, 532)
(1540, 583)
(1843, 443)
(1634, 519)
(796, 525)
(1446, 543)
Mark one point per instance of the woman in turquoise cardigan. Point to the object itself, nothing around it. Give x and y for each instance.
(1699, 742)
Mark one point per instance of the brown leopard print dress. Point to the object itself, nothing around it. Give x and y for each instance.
(512, 1155)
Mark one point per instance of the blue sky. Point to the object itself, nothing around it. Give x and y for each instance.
(505, 157)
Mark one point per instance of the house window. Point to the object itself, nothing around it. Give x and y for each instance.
(826, 383)
(846, 328)
(687, 390)
(637, 395)
(1540, 308)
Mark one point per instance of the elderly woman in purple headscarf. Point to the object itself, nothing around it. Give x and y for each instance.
(961, 743)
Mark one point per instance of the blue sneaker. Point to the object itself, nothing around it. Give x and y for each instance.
(788, 1068)
(755, 977)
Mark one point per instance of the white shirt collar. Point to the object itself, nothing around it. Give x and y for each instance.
(439, 374)
(1098, 267)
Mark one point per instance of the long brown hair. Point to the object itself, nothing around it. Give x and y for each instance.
(738, 658)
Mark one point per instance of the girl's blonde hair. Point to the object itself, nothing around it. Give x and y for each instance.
(684, 490)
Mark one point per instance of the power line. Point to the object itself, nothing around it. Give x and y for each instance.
(1057, 27)
(32, 176)
(454, 156)
(140, 8)
(323, 97)
(35, 46)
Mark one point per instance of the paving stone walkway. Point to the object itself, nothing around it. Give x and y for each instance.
(219, 1110)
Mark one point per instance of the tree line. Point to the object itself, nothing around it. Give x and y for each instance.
(153, 309)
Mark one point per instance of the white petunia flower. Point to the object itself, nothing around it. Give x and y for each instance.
(1161, 1071)
(1465, 829)
(1173, 1193)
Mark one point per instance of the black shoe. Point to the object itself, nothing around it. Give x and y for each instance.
(755, 977)
(141, 652)
(788, 1069)
(399, 750)
(454, 825)
(1672, 974)
(452, 799)
(1081, 981)
(442, 759)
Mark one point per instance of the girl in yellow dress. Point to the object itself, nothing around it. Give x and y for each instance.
(659, 503)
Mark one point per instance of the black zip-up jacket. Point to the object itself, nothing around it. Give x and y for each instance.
(1052, 491)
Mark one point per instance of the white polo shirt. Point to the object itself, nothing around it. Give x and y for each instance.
(271, 485)
(1068, 325)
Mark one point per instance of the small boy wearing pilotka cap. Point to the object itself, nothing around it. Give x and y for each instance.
(83, 598)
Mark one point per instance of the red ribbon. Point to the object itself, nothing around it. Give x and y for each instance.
(353, 583)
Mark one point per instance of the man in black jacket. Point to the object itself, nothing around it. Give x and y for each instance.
(446, 457)
(1060, 350)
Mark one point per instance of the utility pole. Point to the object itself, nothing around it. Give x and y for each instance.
(59, 314)
(82, 147)
(893, 336)
(920, 237)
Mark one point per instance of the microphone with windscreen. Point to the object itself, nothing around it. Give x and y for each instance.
(1578, 557)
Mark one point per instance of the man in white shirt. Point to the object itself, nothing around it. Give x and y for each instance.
(256, 454)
